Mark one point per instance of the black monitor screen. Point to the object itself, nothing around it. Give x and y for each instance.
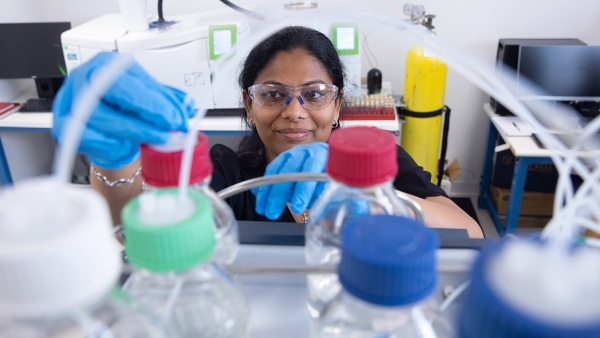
(32, 50)
(562, 70)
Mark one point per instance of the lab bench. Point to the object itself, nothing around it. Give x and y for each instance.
(27, 137)
(277, 300)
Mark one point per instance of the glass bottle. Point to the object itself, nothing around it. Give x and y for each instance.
(169, 242)
(362, 165)
(160, 169)
(388, 274)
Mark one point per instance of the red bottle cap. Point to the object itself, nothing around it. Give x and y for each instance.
(362, 156)
(161, 169)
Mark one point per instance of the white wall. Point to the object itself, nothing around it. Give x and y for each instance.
(475, 25)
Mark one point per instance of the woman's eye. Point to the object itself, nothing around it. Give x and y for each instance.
(272, 94)
(314, 94)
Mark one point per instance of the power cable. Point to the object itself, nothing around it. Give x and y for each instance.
(235, 7)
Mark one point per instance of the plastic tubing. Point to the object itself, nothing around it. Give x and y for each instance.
(81, 111)
(584, 196)
(494, 81)
(556, 223)
(173, 295)
(452, 297)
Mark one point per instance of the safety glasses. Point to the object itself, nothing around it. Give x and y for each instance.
(277, 97)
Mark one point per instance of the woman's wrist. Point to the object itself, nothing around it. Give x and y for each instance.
(106, 176)
(118, 195)
(112, 175)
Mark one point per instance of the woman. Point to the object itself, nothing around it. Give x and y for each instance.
(292, 89)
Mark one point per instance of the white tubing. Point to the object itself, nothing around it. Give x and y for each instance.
(80, 114)
(173, 296)
(594, 242)
(480, 72)
(453, 295)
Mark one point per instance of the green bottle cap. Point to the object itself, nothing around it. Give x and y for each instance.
(166, 234)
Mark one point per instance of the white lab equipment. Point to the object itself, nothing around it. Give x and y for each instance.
(532, 289)
(59, 265)
(134, 18)
(184, 54)
(169, 241)
(162, 166)
(362, 164)
(181, 55)
(388, 274)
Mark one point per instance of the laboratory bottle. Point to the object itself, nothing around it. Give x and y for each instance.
(523, 288)
(362, 165)
(388, 275)
(160, 169)
(59, 265)
(169, 242)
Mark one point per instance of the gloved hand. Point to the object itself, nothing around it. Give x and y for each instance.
(135, 109)
(271, 200)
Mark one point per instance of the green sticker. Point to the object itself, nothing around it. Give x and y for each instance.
(345, 38)
(221, 39)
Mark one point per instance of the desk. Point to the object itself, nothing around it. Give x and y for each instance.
(526, 152)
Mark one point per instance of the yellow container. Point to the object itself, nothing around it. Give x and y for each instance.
(424, 89)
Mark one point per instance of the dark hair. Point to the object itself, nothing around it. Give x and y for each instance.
(251, 149)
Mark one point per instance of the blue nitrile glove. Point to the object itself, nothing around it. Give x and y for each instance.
(135, 109)
(271, 200)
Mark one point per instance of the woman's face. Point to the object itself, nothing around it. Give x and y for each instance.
(280, 130)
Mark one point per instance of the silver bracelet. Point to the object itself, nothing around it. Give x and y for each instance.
(118, 182)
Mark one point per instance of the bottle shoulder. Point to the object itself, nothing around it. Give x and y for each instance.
(114, 315)
(340, 202)
(348, 316)
(206, 275)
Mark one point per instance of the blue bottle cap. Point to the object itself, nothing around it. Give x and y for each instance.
(486, 314)
(388, 260)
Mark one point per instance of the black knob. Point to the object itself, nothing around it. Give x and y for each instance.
(374, 79)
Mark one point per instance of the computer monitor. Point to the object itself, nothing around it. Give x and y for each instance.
(509, 55)
(567, 71)
(34, 50)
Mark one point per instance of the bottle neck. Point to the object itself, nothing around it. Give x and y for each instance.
(204, 184)
(382, 195)
(170, 277)
(387, 186)
(375, 309)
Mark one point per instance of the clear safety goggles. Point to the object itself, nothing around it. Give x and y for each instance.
(277, 97)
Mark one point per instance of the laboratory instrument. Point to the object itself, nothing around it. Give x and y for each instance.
(169, 242)
(181, 56)
(362, 175)
(161, 168)
(184, 53)
(387, 271)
